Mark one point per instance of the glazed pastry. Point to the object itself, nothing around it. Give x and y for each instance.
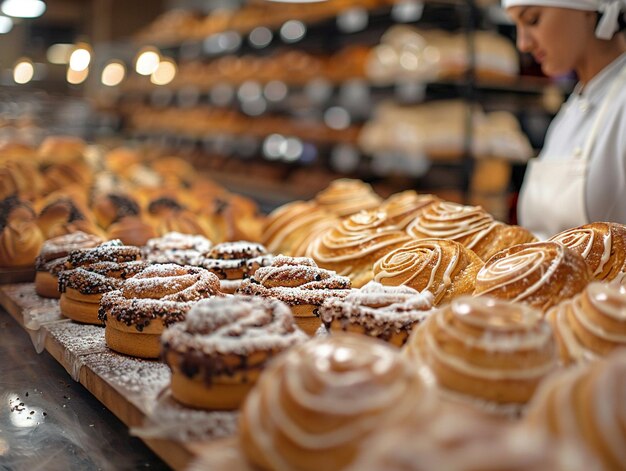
(299, 283)
(314, 406)
(111, 207)
(602, 245)
(403, 208)
(592, 324)
(586, 405)
(291, 228)
(234, 261)
(540, 274)
(352, 248)
(232, 217)
(53, 256)
(20, 237)
(444, 267)
(485, 350)
(217, 354)
(386, 312)
(181, 249)
(167, 215)
(461, 439)
(63, 216)
(344, 197)
(136, 314)
(22, 178)
(470, 225)
(82, 288)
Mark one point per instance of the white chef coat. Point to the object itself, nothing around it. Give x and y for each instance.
(605, 180)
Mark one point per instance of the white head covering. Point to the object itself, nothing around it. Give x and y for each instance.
(610, 9)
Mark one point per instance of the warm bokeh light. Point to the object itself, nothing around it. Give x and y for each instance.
(59, 53)
(23, 8)
(23, 71)
(164, 73)
(80, 59)
(76, 77)
(113, 74)
(147, 61)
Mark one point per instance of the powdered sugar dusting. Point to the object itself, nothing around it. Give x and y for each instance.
(174, 247)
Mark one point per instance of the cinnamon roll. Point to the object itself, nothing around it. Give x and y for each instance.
(592, 324)
(352, 248)
(485, 349)
(602, 245)
(289, 229)
(20, 237)
(181, 249)
(470, 225)
(541, 274)
(111, 207)
(403, 208)
(217, 354)
(386, 312)
(299, 283)
(63, 216)
(53, 256)
(82, 288)
(586, 405)
(136, 314)
(313, 407)
(444, 267)
(168, 215)
(232, 217)
(344, 197)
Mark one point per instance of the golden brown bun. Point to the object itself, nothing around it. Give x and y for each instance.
(175, 168)
(62, 217)
(586, 405)
(289, 229)
(314, 406)
(344, 197)
(47, 285)
(217, 354)
(120, 159)
(110, 208)
(403, 208)
(80, 307)
(131, 230)
(540, 274)
(231, 218)
(167, 215)
(61, 175)
(126, 339)
(485, 349)
(592, 324)
(602, 245)
(444, 267)
(20, 237)
(470, 225)
(61, 149)
(14, 150)
(352, 247)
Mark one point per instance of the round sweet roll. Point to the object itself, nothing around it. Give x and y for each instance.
(386, 312)
(53, 255)
(314, 405)
(111, 207)
(82, 288)
(540, 274)
(232, 262)
(444, 267)
(585, 405)
(470, 225)
(136, 314)
(592, 324)
(110, 251)
(168, 215)
(132, 230)
(174, 247)
(485, 350)
(20, 237)
(63, 216)
(289, 229)
(402, 208)
(352, 247)
(344, 197)
(602, 245)
(301, 284)
(217, 354)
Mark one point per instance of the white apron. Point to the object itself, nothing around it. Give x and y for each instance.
(552, 197)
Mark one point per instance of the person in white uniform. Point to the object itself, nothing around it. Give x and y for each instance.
(580, 175)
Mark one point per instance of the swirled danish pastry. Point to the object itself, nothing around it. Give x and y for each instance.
(217, 354)
(444, 267)
(586, 405)
(541, 274)
(470, 225)
(602, 245)
(20, 237)
(344, 197)
(352, 248)
(403, 208)
(299, 283)
(386, 312)
(314, 405)
(592, 324)
(486, 349)
(136, 314)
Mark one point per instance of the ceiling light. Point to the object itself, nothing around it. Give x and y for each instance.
(113, 74)
(60, 53)
(23, 71)
(23, 8)
(148, 61)
(80, 58)
(6, 24)
(164, 73)
(76, 77)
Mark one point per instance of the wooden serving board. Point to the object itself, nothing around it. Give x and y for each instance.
(16, 275)
(131, 388)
